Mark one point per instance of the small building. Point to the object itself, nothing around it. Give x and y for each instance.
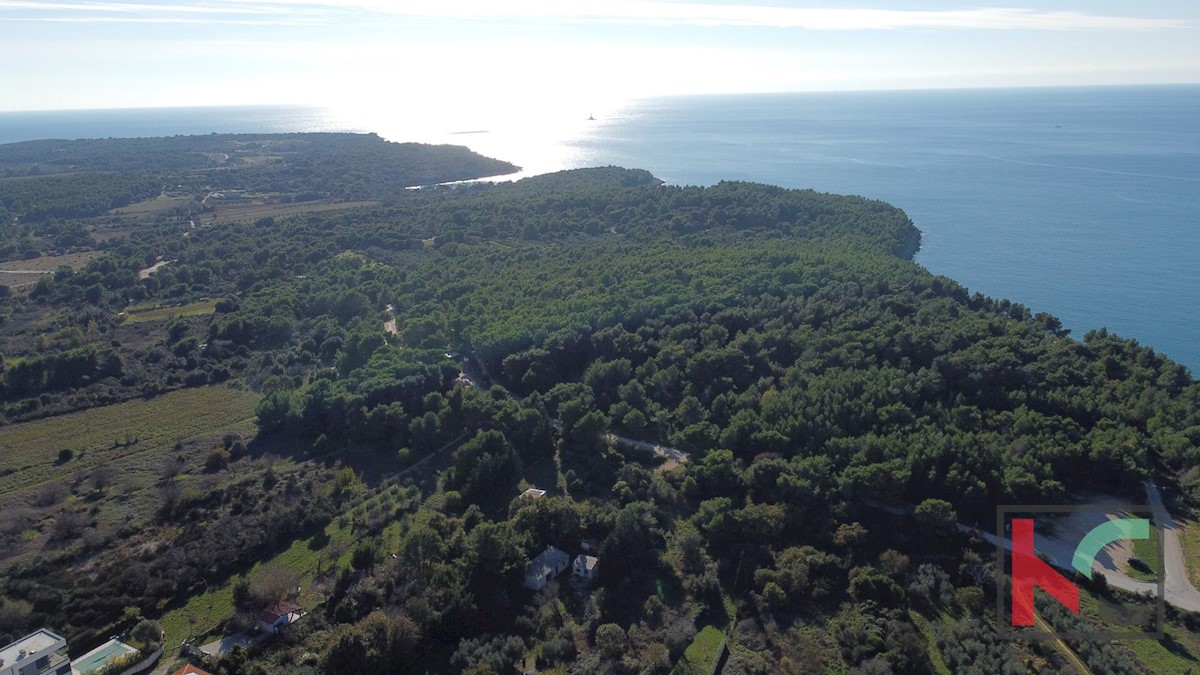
(191, 670)
(585, 566)
(40, 653)
(549, 564)
(533, 493)
(272, 619)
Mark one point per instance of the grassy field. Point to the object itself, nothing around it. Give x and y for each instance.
(155, 313)
(152, 207)
(700, 656)
(1179, 652)
(42, 265)
(248, 212)
(1147, 550)
(1175, 654)
(18, 280)
(29, 451)
(203, 614)
(935, 654)
(49, 263)
(310, 558)
(1189, 537)
(103, 234)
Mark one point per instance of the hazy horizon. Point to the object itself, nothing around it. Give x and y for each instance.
(318, 106)
(432, 62)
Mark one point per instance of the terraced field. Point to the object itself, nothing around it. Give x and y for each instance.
(148, 429)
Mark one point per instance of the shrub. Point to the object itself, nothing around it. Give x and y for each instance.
(148, 633)
(218, 458)
(50, 494)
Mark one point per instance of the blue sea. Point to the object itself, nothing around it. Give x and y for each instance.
(1081, 202)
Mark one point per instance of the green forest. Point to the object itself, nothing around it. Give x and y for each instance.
(754, 409)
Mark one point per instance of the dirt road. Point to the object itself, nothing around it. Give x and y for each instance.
(667, 453)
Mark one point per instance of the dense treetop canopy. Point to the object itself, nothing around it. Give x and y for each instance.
(783, 340)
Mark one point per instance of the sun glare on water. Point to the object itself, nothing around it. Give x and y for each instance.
(536, 135)
(525, 107)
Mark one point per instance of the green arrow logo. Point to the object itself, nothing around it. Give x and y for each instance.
(1104, 534)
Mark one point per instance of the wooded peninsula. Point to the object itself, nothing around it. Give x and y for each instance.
(584, 422)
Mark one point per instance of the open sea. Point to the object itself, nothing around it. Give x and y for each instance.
(1081, 202)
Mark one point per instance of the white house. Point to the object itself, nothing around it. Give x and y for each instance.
(39, 653)
(272, 619)
(585, 566)
(549, 564)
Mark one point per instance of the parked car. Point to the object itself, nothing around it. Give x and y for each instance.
(1140, 565)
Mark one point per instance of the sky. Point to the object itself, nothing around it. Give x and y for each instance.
(437, 59)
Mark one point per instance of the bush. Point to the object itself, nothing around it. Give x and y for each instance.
(149, 634)
(611, 640)
(218, 458)
(50, 494)
(679, 636)
(971, 598)
(69, 525)
(775, 596)
(119, 664)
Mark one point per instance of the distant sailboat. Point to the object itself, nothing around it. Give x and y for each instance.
(590, 118)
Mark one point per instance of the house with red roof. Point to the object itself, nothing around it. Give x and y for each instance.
(284, 614)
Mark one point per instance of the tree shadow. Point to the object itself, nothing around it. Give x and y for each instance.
(1172, 645)
(319, 542)
(714, 614)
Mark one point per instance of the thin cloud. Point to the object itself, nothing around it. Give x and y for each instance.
(651, 12)
(132, 8)
(205, 21)
(657, 12)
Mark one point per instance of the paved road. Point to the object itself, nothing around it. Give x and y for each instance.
(1179, 589)
(229, 642)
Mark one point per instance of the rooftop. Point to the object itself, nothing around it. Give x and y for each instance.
(551, 556)
(190, 670)
(273, 614)
(33, 644)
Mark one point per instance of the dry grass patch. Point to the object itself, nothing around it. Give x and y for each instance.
(16, 272)
(29, 452)
(1189, 538)
(251, 212)
(155, 313)
(152, 207)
